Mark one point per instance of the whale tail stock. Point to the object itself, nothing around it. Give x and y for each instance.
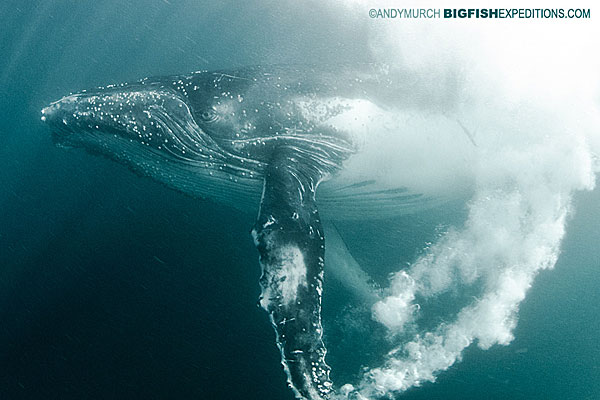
(289, 237)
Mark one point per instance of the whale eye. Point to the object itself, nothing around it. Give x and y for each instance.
(209, 115)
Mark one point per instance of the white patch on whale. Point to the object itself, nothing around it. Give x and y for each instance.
(285, 278)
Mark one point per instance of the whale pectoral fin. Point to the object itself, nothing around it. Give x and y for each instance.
(289, 238)
(342, 266)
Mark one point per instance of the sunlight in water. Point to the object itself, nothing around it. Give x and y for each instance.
(529, 96)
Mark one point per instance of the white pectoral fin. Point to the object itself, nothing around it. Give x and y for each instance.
(289, 238)
(342, 267)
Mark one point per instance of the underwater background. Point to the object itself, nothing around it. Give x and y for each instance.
(112, 286)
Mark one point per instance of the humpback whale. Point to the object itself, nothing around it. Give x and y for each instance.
(294, 142)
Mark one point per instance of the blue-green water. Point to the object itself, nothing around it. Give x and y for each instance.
(112, 286)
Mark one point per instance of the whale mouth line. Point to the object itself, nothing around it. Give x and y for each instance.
(125, 114)
(104, 125)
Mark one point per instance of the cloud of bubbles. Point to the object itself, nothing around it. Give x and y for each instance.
(530, 95)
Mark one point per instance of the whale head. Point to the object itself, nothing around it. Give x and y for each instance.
(108, 120)
(166, 128)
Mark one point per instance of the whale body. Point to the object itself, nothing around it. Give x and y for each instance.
(294, 143)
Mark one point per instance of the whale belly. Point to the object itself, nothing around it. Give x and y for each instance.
(404, 161)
